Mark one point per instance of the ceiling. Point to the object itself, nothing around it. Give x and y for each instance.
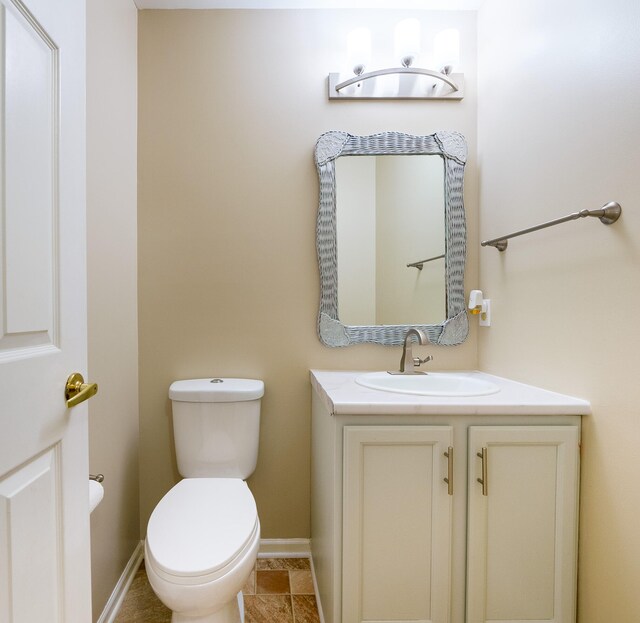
(468, 5)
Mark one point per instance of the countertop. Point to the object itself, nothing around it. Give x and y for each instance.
(343, 396)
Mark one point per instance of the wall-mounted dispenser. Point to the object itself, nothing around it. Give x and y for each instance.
(478, 305)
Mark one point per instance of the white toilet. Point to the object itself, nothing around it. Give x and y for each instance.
(203, 536)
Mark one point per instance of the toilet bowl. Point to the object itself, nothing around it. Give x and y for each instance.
(203, 536)
(202, 543)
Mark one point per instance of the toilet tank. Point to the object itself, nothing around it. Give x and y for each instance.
(216, 426)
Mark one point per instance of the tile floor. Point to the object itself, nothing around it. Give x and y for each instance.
(279, 590)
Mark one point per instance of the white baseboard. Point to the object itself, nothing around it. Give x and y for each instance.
(316, 591)
(114, 603)
(284, 548)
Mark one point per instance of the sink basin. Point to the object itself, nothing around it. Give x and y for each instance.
(431, 384)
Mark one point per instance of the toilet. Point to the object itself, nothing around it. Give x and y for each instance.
(203, 536)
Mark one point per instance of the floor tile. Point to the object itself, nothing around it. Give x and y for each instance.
(268, 609)
(272, 582)
(272, 604)
(141, 604)
(301, 582)
(250, 586)
(305, 609)
(283, 563)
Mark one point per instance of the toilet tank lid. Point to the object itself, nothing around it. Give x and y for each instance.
(216, 390)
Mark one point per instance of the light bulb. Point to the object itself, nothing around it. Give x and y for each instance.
(359, 49)
(407, 40)
(446, 48)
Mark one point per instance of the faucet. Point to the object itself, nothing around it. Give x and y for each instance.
(409, 363)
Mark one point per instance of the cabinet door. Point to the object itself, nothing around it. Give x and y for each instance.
(522, 524)
(397, 524)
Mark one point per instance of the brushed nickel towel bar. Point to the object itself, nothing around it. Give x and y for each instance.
(608, 214)
(420, 264)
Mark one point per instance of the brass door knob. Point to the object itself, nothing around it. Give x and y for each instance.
(77, 391)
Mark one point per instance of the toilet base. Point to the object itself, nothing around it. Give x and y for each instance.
(233, 612)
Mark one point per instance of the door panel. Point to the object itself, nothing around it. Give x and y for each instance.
(397, 524)
(521, 526)
(29, 506)
(29, 202)
(44, 518)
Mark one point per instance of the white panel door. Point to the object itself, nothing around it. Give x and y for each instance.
(396, 563)
(44, 518)
(522, 524)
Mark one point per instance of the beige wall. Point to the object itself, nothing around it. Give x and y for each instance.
(230, 106)
(356, 228)
(559, 124)
(414, 232)
(112, 302)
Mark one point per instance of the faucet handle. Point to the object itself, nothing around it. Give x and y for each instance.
(417, 361)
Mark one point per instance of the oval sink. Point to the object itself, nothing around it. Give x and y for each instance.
(431, 384)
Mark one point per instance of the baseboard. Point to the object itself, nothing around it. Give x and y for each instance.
(284, 548)
(317, 592)
(114, 603)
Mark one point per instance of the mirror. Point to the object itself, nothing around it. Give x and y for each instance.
(382, 215)
(389, 216)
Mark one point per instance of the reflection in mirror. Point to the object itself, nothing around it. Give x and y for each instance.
(390, 213)
(378, 214)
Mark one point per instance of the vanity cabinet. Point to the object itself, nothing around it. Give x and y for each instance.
(403, 530)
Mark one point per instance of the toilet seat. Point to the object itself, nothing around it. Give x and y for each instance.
(200, 529)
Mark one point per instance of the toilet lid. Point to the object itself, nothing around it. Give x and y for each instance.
(201, 525)
(216, 390)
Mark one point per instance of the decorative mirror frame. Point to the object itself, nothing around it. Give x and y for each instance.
(453, 149)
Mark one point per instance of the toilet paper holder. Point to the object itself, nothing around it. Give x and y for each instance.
(97, 477)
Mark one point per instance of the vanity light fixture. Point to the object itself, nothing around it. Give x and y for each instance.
(366, 85)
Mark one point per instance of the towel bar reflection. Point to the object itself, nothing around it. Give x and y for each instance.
(608, 214)
(420, 264)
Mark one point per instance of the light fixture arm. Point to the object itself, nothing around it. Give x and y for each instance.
(398, 70)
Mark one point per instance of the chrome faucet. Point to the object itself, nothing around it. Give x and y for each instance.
(409, 363)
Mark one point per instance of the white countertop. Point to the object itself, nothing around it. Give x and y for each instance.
(343, 396)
